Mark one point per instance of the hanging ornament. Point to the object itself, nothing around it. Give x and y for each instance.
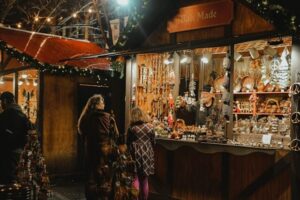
(283, 75)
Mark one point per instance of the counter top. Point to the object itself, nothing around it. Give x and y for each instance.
(171, 144)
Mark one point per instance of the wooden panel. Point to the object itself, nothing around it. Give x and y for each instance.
(197, 176)
(201, 34)
(59, 130)
(247, 22)
(246, 169)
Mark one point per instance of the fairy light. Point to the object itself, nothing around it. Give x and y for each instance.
(19, 25)
(48, 19)
(74, 15)
(1, 80)
(36, 18)
(90, 10)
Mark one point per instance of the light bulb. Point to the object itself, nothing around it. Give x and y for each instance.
(122, 2)
(1, 80)
(20, 82)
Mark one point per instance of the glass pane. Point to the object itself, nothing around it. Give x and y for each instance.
(28, 80)
(6, 83)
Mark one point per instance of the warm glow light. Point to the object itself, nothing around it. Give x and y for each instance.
(122, 2)
(27, 82)
(1, 80)
(20, 82)
(204, 60)
(48, 19)
(36, 18)
(74, 15)
(35, 83)
(90, 10)
(24, 75)
(19, 25)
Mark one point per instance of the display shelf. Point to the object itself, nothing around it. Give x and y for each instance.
(277, 114)
(249, 93)
(240, 150)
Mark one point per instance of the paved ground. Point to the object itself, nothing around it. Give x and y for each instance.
(67, 189)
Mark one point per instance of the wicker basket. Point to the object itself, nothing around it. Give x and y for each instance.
(272, 106)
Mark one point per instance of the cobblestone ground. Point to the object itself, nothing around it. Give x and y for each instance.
(67, 189)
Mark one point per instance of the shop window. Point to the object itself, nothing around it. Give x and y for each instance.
(185, 93)
(262, 78)
(27, 92)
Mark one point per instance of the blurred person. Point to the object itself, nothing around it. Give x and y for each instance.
(14, 126)
(101, 134)
(140, 141)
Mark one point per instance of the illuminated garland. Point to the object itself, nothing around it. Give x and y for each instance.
(133, 22)
(52, 69)
(275, 13)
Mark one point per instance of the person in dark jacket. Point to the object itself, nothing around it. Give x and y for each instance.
(96, 126)
(140, 141)
(14, 126)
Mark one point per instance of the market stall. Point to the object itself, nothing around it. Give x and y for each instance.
(221, 105)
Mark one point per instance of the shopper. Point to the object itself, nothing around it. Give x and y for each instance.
(100, 131)
(140, 141)
(14, 126)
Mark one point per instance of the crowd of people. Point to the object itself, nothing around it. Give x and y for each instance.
(117, 165)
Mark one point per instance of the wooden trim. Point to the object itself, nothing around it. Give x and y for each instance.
(270, 173)
(16, 86)
(40, 106)
(191, 45)
(4, 63)
(9, 71)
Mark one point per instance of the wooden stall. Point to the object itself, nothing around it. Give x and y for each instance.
(53, 92)
(237, 168)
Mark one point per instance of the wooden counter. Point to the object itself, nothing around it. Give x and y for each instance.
(195, 171)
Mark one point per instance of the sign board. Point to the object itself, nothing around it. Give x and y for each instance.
(203, 15)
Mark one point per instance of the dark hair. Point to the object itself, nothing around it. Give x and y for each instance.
(8, 97)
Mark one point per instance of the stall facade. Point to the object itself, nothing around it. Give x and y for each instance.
(220, 92)
(52, 92)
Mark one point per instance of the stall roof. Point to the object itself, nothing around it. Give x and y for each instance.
(53, 49)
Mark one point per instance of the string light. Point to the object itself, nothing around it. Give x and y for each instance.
(1, 80)
(74, 15)
(19, 25)
(48, 19)
(90, 10)
(61, 69)
(36, 18)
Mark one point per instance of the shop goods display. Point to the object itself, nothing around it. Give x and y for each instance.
(258, 104)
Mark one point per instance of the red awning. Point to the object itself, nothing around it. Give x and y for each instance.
(53, 49)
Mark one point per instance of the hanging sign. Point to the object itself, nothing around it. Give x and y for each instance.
(202, 16)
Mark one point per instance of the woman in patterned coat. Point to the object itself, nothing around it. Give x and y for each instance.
(140, 141)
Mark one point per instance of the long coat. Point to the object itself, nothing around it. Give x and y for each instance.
(100, 152)
(14, 126)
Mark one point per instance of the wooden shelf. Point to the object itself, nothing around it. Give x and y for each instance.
(278, 114)
(249, 93)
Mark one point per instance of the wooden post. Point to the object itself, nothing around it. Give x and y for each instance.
(295, 161)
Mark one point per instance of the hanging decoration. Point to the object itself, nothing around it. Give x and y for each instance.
(118, 65)
(284, 70)
(133, 22)
(52, 69)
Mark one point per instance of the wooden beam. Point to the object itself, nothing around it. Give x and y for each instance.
(10, 71)
(268, 175)
(4, 63)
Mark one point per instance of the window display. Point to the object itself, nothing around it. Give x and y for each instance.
(262, 102)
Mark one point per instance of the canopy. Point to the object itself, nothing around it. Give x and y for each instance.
(54, 49)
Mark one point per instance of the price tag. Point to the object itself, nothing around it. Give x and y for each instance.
(266, 139)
